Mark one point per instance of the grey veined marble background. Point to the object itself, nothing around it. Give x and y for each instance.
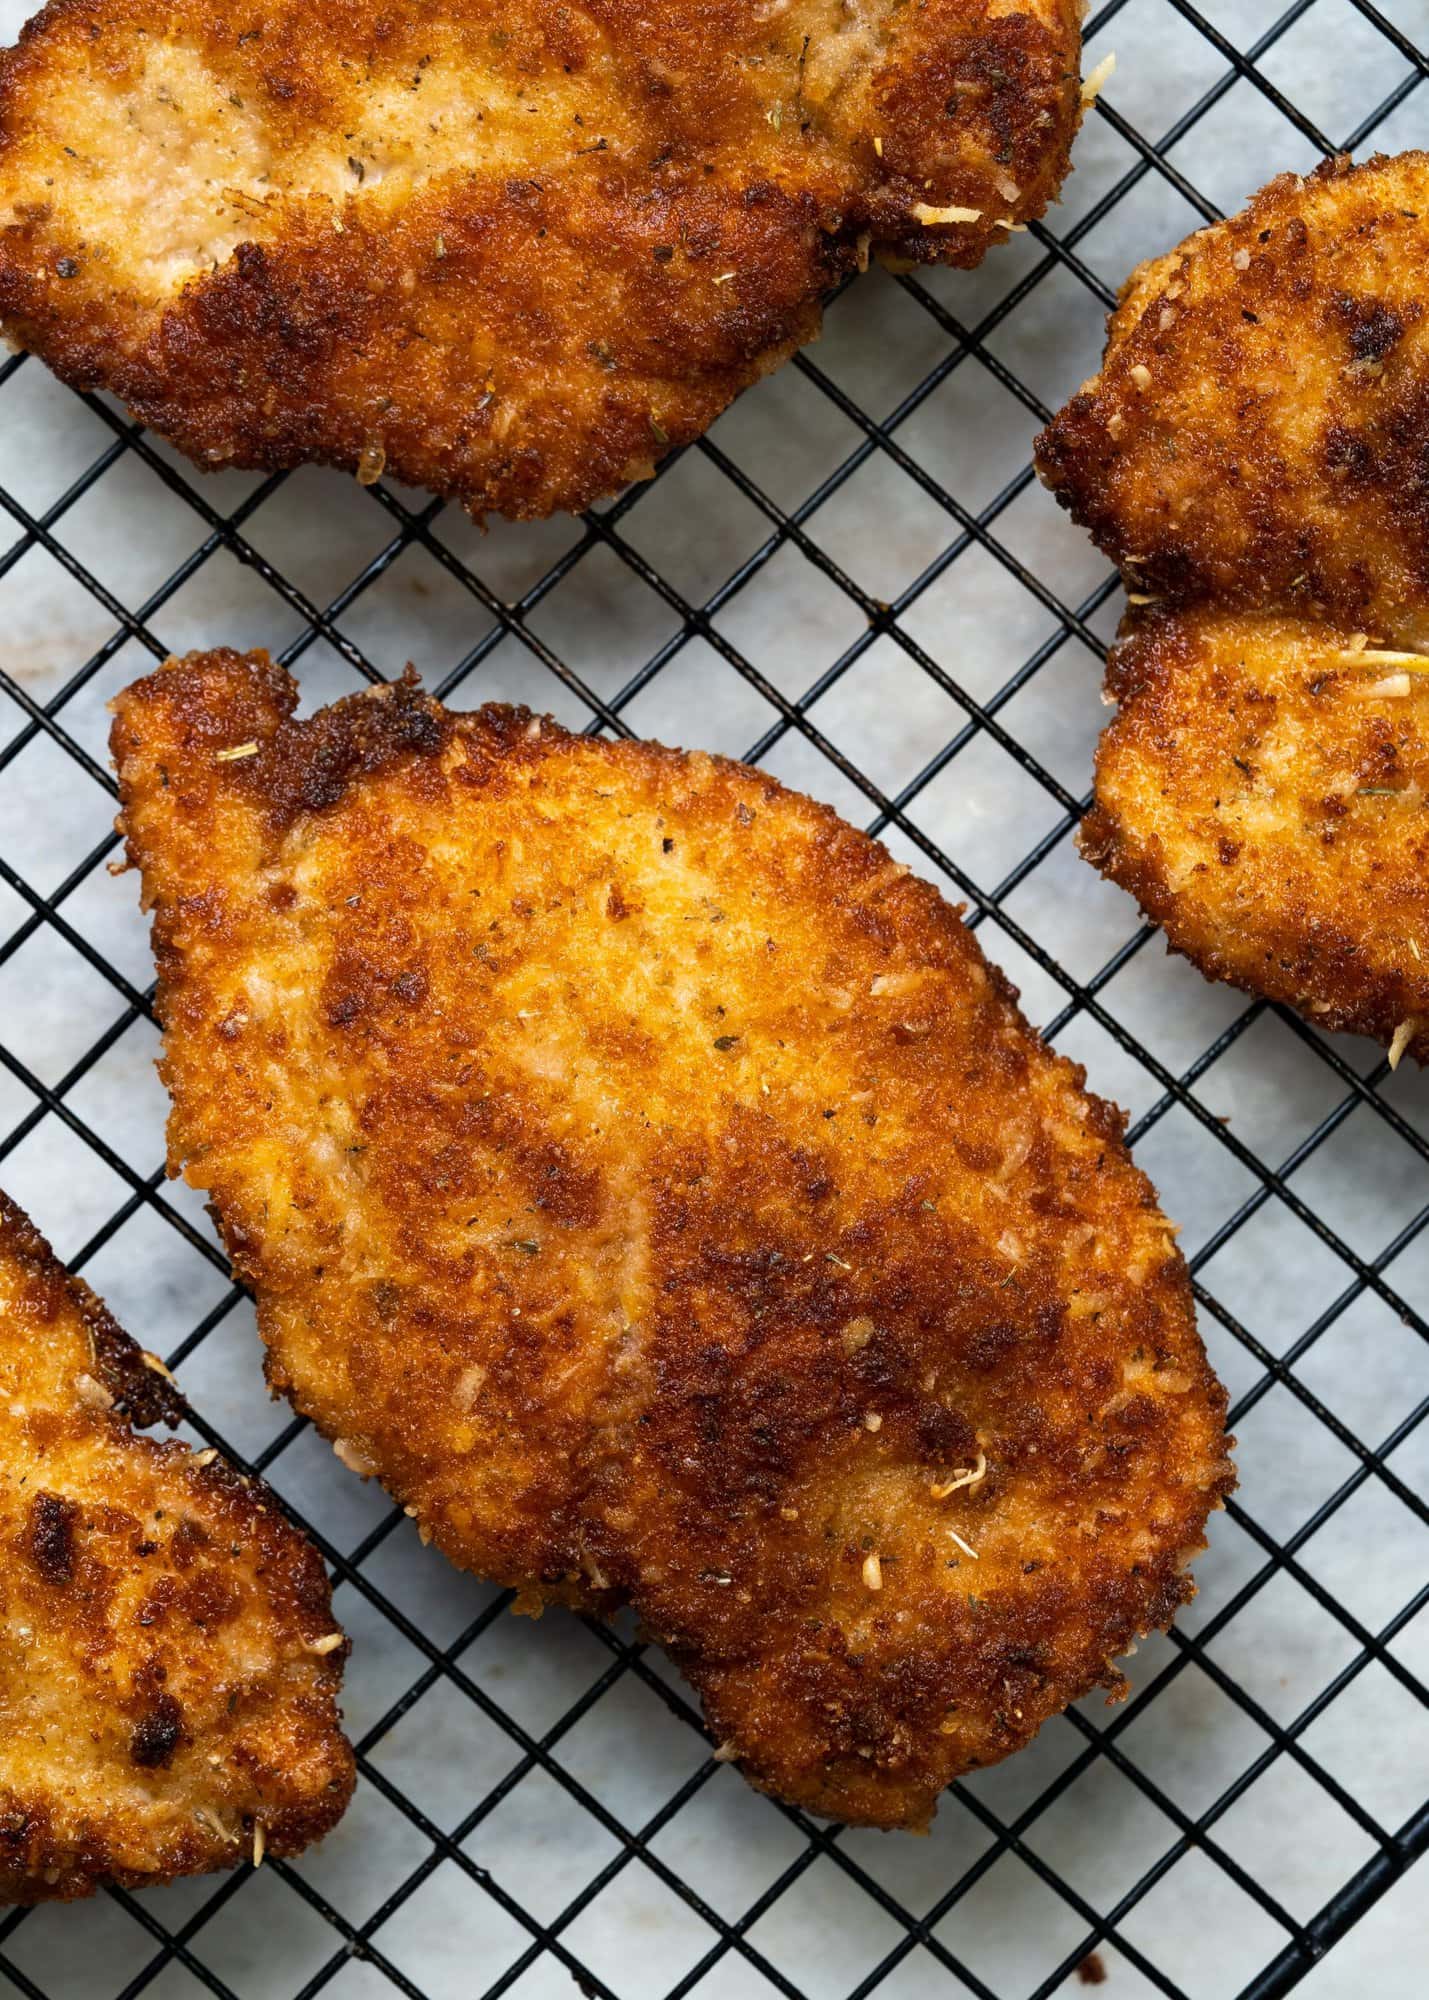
(964, 606)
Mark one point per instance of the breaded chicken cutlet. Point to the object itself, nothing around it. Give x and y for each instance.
(169, 1665)
(511, 253)
(651, 1183)
(1263, 792)
(1255, 456)
(1257, 434)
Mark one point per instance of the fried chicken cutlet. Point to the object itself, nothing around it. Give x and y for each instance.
(169, 1665)
(1257, 434)
(1263, 792)
(650, 1182)
(1255, 456)
(511, 253)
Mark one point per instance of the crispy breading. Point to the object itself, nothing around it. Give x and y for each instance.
(169, 1665)
(1264, 794)
(1255, 455)
(649, 1180)
(513, 253)
(1258, 431)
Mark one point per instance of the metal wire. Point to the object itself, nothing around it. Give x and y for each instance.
(1299, 1944)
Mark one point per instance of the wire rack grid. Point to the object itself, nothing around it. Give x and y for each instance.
(861, 537)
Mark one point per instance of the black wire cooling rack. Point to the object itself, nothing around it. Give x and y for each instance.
(916, 1950)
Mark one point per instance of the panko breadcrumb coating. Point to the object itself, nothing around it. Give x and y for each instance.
(169, 1664)
(512, 253)
(1257, 434)
(1262, 793)
(1255, 456)
(650, 1182)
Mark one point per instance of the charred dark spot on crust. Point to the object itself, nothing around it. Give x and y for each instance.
(410, 987)
(211, 1599)
(1001, 74)
(50, 1537)
(257, 296)
(305, 771)
(1375, 329)
(569, 1193)
(157, 1735)
(190, 1538)
(945, 1437)
(990, 1345)
(1348, 455)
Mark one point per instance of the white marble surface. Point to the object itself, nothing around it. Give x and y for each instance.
(826, 1932)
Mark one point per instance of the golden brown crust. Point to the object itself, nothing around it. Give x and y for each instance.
(650, 1181)
(1255, 455)
(512, 253)
(159, 1700)
(1257, 433)
(1264, 794)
